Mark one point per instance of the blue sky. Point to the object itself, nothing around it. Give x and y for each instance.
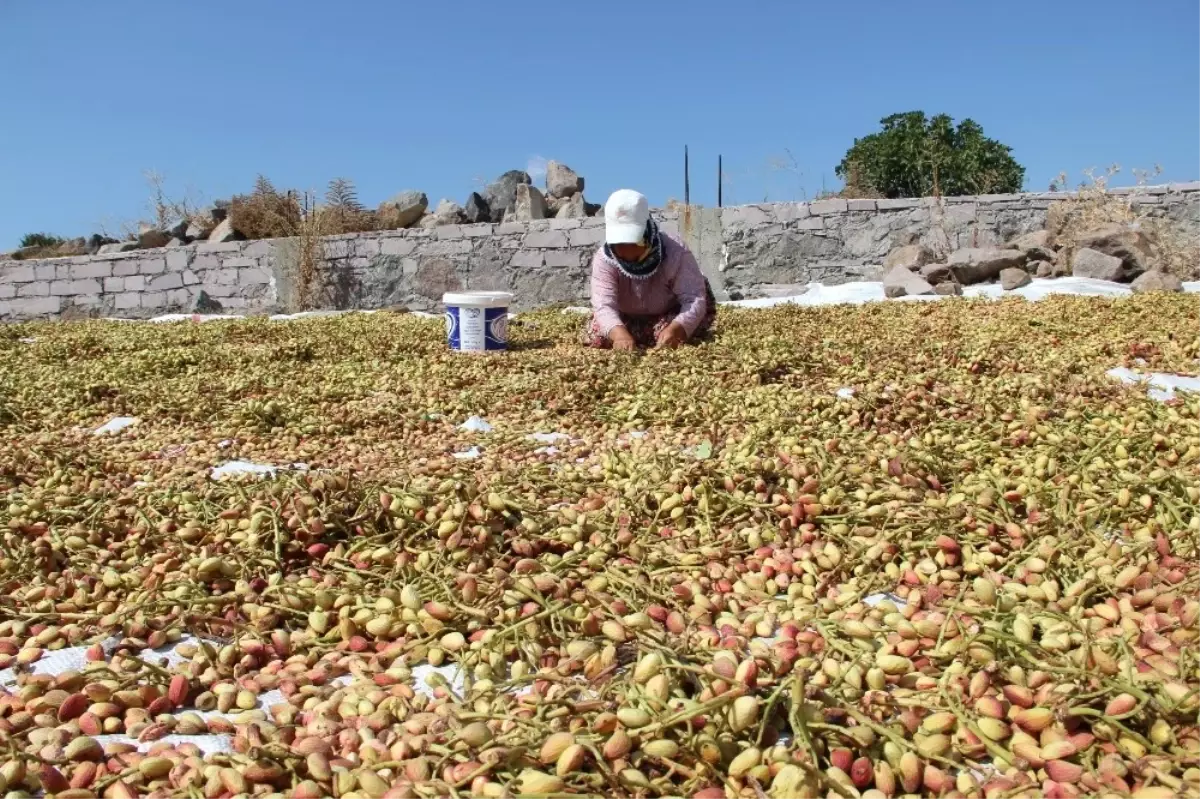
(443, 96)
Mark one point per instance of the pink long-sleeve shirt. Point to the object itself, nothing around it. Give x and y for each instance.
(677, 281)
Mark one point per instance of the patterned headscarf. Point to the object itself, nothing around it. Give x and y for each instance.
(640, 270)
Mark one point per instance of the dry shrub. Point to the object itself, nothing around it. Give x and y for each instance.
(265, 213)
(61, 249)
(1094, 205)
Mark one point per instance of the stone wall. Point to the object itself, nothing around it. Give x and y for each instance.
(746, 251)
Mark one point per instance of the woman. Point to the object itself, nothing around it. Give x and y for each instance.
(647, 289)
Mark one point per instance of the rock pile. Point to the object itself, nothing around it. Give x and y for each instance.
(1114, 252)
(512, 197)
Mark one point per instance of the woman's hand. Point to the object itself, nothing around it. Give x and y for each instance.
(621, 340)
(672, 336)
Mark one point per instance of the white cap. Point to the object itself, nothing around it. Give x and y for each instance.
(625, 217)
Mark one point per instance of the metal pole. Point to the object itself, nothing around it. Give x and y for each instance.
(687, 188)
(720, 180)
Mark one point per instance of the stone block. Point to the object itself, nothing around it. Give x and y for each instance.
(811, 223)
(788, 212)
(44, 272)
(203, 263)
(37, 306)
(546, 239)
(897, 204)
(447, 232)
(190, 278)
(219, 291)
(824, 207)
(566, 223)
(154, 299)
(177, 260)
(39, 289)
(7, 291)
(171, 280)
(527, 259)
(135, 283)
(62, 271)
(114, 284)
(240, 262)
(91, 269)
(65, 288)
(177, 298)
(563, 258)
(366, 247)
(222, 277)
(127, 300)
(861, 205)
(396, 245)
(19, 274)
(257, 249)
(253, 277)
(454, 247)
(218, 246)
(477, 231)
(510, 228)
(152, 266)
(585, 236)
(124, 268)
(744, 216)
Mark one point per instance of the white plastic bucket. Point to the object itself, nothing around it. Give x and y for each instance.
(477, 321)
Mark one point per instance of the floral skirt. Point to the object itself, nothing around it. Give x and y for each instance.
(646, 329)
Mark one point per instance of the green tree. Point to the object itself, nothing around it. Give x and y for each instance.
(915, 156)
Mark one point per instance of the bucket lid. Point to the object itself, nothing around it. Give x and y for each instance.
(478, 299)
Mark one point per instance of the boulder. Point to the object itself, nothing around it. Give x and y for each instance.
(176, 243)
(1014, 278)
(1094, 264)
(950, 289)
(593, 209)
(1061, 269)
(561, 180)
(1156, 280)
(937, 273)
(476, 209)
(1037, 240)
(1132, 246)
(403, 210)
(97, 241)
(197, 230)
(502, 194)
(977, 264)
(900, 281)
(1041, 268)
(219, 211)
(911, 256)
(449, 212)
(223, 232)
(553, 204)
(571, 208)
(150, 238)
(117, 246)
(528, 204)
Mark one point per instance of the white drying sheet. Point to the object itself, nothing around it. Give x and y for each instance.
(75, 659)
(1161, 385)
(859, 292)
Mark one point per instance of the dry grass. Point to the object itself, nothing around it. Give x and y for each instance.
(1094, 205)
(62, 249)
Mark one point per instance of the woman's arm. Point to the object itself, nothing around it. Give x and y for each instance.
(605, 308)
(690, 289)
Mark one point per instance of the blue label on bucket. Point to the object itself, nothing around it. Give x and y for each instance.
(476, 329)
